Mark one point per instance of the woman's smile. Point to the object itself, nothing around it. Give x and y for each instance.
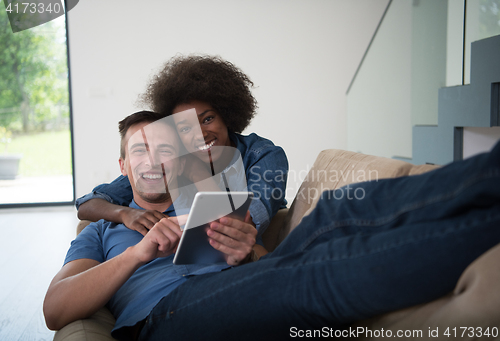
(207, 146)
(201, 128)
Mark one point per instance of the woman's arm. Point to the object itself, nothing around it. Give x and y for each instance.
(139, 220)
(118, 192)
(267, 173)
(110, 202)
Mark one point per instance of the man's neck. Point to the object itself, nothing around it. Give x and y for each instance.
(160, 207)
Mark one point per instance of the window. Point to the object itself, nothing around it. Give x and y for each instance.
(35, 120)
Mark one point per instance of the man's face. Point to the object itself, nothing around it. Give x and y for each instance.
(151, 160)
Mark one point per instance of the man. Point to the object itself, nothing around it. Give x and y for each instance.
(405, 243)
(111, 264)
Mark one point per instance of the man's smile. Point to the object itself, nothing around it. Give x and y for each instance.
(151, 176)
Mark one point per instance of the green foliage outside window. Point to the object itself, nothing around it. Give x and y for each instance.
(33, 78)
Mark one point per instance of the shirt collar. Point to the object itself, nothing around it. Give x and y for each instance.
(240, 147)
(168, 211)
(183, 203)
(237, 143)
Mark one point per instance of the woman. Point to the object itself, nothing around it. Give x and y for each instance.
(219, 93)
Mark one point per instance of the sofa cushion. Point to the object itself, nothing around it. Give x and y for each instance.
(336, 168)
(474, 303)
(81, 225)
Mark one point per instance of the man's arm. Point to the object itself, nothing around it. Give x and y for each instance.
(138, 220)
(84, 286)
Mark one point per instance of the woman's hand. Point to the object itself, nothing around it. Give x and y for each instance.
(234, 238)
(141, 220)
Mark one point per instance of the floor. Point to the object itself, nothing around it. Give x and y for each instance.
(41, 189)
(32, 249)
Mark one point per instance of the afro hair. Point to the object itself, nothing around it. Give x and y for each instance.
(209, 79)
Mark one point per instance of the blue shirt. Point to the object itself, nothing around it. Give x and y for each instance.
(266, 170)
(136, 298)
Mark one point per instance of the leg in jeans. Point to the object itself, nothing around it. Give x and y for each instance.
(405, 243)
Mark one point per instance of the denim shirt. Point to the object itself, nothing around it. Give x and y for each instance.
(266, 170)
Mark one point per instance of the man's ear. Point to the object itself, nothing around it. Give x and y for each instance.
(182, 163)
(123, 169)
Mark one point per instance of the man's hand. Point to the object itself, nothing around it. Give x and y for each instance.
(161, 241)
(140, 220)
(234, 238)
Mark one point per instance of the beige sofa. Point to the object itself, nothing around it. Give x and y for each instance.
(475, 303)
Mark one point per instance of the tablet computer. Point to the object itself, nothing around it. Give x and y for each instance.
(194, 247)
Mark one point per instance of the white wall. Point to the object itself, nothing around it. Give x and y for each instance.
(428, 59)
(479, 140)
(476, 140)
(301, 55)
(379, 101)
(454, 42)
(397, 86)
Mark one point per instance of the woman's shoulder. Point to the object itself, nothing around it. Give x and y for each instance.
(254, 149)
(254, 143)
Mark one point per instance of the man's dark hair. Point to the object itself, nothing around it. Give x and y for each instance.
(209, 79)
(135, 118)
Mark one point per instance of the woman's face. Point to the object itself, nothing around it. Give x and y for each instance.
(207, 140)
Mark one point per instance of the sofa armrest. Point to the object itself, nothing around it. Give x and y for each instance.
(81, 225)
(95, 328)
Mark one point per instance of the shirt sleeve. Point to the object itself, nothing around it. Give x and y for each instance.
(88, 244)
(118, 192)
(266, 178)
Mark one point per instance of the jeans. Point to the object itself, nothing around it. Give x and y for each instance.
(405, 243)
